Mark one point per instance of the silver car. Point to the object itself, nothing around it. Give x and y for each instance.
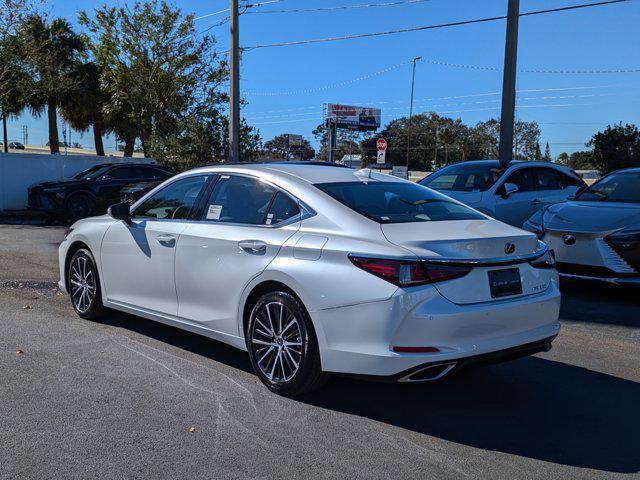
(596, 235)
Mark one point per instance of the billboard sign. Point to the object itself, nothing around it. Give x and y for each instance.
(355, 118)
(295, 140)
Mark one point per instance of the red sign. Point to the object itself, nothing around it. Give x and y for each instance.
(381, 144)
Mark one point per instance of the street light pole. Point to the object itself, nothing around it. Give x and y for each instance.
(413, 79)
(234, 85)
(507, 117)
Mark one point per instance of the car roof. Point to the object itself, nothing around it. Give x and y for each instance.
(129, 164)
(308, 172)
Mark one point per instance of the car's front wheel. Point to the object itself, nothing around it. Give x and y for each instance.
(84, 285)
(282, 345)
(80, 206)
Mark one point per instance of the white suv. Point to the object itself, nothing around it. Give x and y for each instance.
(510, 195)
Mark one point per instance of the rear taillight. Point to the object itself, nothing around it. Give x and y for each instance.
(407, 273)
(548, 260)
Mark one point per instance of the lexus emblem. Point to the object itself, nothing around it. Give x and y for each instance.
(569, 239)
(509, 248)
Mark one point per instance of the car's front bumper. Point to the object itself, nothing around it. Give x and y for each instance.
(359, 339)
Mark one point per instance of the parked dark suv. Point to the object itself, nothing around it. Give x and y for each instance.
(91, 191)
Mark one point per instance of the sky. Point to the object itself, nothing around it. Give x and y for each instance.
(285, 88)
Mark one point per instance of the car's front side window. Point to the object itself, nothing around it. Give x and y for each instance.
(548, 179)
(524, 179)
(175, 201)
(463, 178)
(238, 199)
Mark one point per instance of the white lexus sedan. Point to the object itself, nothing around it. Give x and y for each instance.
(316, 269)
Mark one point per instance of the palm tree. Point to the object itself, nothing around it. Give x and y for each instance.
(52, 50)
(83, 108)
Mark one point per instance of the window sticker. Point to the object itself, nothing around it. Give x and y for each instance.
(269, 218)
(225, 176)
(214, 212)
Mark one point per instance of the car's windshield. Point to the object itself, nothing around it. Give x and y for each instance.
(617, 187)
(397, 202)
(91, 173)
(463, 178)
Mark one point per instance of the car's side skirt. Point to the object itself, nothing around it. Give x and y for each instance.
(177, 322)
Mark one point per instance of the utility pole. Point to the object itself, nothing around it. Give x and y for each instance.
(507, 117)
(5, 143)
(234, 85)
(413, 80)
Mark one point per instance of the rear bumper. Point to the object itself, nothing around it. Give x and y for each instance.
(359, 339)
(431, 371)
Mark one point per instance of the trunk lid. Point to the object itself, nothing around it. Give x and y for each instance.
(460, 239)
(472, 240)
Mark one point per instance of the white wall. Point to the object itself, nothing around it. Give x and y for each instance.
(20, 170)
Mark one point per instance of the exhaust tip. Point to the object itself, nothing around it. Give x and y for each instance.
(430, 373)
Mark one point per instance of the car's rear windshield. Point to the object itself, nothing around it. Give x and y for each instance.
(463, 178)
(397, 202)
(617, 187)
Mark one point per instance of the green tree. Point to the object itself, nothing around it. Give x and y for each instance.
(14, 80)
(156, 70)
(51, 51)
(279, 146)
(616, 147)
(485, 138)
(347, 142)
(83, 107)
(577, 160)
(547, 153)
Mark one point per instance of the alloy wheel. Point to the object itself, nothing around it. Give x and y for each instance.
(83, 284)
(276, 342)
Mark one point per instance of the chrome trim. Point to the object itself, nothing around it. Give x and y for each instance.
(488, 262)
(462, 262)
(447, 370)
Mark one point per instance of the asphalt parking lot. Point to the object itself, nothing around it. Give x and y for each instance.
(118, 398)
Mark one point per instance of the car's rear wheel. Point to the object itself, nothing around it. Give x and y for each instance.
(282, 345)
(84, 285)
(80, 206)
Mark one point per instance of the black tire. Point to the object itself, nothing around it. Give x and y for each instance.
(83, 283)
(281, 340)
(80, 206)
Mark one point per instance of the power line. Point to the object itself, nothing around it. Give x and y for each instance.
(534, 70)
(244, 6)
(333, 85)
(314, 108)
(432, 27)
(341, 7)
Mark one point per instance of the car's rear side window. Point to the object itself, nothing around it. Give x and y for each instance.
(397, 202)
(238, 199)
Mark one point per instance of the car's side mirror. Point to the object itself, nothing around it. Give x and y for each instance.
(509, 189)
(121, 211)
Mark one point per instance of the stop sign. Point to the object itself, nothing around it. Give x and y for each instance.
(381, 144)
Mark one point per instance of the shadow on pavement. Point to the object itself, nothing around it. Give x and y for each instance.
(600, 303)
(533, 407)
(194, 343)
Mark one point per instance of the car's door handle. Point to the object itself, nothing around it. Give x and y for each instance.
(537, 201)
(255, 247)
(166, 240)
